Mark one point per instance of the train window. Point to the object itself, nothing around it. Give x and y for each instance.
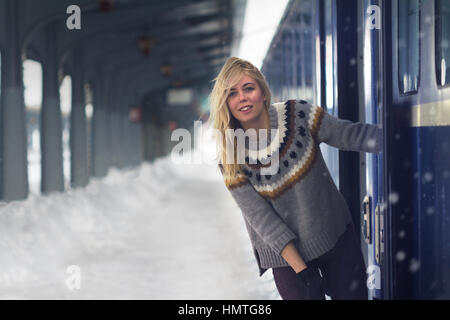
(443, 42)
(408, 45)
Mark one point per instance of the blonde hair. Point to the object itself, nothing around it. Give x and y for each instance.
(220, 116)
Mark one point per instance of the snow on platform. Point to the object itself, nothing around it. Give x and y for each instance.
(159, 231)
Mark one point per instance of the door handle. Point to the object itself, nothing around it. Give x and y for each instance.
(379, 235)
(366, 217)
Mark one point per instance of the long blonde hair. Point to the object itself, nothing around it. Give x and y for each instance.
(220, 116)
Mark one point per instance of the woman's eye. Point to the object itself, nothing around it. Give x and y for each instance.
(232, 93)
(248, 89)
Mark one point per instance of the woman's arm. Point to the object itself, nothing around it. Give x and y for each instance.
(344, 134)
(291, 255)
(259, 213)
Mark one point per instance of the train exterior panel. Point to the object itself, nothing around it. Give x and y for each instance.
(386, 63)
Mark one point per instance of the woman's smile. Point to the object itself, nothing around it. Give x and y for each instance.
(246, 109)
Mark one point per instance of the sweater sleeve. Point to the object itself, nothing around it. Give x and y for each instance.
(259, 214)
(344, 134)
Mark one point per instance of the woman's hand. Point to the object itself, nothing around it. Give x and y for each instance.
(313, 284)
(310, 279)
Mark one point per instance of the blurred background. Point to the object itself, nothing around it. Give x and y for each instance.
(94, 206)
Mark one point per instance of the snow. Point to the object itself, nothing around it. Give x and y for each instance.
(393, 197)
(158, 231)
(400, 256)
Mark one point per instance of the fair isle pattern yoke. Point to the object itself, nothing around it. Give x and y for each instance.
(276, 142)
(295, 158)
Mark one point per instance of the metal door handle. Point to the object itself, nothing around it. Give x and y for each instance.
(365, 228)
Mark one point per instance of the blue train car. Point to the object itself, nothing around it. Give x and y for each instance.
(417, 99)
(386, 63)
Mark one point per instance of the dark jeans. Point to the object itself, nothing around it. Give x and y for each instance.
(342, 268)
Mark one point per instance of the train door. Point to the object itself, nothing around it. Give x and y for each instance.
(417, 165)
(372, 218)
(328, 78)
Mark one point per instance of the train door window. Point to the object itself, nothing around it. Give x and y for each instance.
(331, 154)
(408, 45)
(308, 54)
(299, 66)
(329, 55)
(286, 66)
(443, 42)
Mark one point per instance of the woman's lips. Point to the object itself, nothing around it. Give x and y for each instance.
(246, 109)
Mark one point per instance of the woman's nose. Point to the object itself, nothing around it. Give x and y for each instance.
(241, 95)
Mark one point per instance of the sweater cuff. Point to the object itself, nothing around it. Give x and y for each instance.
(278, 244)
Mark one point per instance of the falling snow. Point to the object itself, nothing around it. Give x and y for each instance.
(371, 143)
(400, 256)
(427, 177)
(393, 197)
(414, 265)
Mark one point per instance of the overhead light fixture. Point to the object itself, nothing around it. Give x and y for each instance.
(166, 69)
(106, 5)
(177, 83)
(146, 44)
(135, 114)
(172, 125)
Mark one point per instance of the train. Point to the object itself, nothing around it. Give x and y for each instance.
(385, 63)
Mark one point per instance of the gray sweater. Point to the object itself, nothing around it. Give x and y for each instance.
(300, 202)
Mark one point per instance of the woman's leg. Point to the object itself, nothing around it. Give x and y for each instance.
(344, 270)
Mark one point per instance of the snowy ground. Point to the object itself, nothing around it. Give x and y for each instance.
(159, 231)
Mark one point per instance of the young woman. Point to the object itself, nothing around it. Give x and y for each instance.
(297, 220)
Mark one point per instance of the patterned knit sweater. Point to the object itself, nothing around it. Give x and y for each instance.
(300, 202)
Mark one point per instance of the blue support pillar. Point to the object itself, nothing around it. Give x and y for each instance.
(116, 127)
(114, 132)
(133, 140)
(136, 143)
(100, 151)
(108, 118)
(13, 132)
(78, 139)
(51, 121)
(124, 139)
(155, 141)
(126, 150)
(149, 136)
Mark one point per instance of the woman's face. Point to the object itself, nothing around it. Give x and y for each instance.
(246, 101)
